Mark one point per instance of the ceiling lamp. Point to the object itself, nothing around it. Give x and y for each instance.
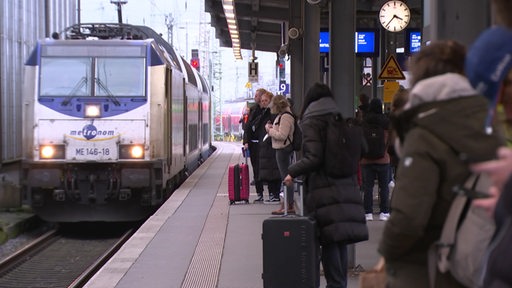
(230, 13)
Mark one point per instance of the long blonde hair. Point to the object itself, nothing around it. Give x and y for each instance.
(279, 104)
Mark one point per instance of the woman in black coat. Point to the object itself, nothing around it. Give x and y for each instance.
(335, 204)
(268, 169)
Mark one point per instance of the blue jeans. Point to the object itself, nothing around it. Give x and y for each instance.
(283, 161)
(381, 172)
(334, 261)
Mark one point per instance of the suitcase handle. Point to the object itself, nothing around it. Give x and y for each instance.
(300, 184)
(245, 152)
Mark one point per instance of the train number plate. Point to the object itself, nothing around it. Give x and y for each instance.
(92, 151)
(95, 151)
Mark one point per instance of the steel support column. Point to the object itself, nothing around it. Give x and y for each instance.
(450, 19)
(296, 51)
(342, 26)
(311, 57)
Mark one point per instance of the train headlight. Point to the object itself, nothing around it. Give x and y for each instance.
(52, 152)
(131, 151)
(92, 110)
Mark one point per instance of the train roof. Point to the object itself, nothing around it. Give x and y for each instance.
(123, 32)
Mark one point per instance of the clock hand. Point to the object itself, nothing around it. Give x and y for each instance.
(399, 18)
(392, 18)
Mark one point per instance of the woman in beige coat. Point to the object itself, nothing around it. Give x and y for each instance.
(281, 132)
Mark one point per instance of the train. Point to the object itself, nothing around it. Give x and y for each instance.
(114, 120)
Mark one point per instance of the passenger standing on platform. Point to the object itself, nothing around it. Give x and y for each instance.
(441, 131)
(250, 141)
(397, 105)
(269, 171)
(376, 167)
(364, 104)
(335, 204)
(281, 132)
(491, 74)
(245, 117)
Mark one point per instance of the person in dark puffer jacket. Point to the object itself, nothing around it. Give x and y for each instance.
(335, 204)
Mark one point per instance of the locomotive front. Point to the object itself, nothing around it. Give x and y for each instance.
(87, 114)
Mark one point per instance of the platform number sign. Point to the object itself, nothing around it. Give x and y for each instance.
(284, 88)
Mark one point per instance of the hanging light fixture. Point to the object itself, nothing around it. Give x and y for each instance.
(230, 13)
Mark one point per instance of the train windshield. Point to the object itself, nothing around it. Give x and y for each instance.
(66, 76)
(87, 76)
(120, 77)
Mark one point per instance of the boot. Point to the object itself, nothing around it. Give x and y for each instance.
(291, 208)
(279, 211)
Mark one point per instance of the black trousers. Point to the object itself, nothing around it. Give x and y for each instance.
(255, 163)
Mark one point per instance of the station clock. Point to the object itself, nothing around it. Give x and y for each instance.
(394, 16)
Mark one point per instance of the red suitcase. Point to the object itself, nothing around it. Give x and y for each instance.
(238, 182)
(244, 181)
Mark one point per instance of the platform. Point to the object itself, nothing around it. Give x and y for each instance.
(197, 240)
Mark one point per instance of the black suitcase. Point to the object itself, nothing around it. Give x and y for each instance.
(291, 253)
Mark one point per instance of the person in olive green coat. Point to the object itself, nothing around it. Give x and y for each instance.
(440, 131)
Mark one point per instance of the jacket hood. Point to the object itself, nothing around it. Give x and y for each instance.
(460, 122)
(441, 87)
(448, 106)
(321, 106)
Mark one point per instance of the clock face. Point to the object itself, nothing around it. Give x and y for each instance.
(394, 16)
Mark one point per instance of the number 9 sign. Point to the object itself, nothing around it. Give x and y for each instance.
(284, 88)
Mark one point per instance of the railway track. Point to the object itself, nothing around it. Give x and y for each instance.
(59, 259)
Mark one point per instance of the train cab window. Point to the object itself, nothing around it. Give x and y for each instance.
(120, 77)
(65, 76)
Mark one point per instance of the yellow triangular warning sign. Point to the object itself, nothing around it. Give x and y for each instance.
(391, 70)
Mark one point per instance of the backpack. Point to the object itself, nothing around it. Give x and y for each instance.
(375, 140)
(343, 146)
(297, 133)
(466, 234)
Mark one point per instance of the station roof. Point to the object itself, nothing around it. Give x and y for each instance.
(260, 22)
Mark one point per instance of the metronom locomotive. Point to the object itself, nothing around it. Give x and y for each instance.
(114, 121)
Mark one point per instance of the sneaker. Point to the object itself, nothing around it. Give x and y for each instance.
(369, 217)
(383, 216)
(259, 199)
(272, 200)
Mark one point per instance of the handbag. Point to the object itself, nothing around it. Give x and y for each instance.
(374, 278)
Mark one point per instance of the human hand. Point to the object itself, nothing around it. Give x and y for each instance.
(499, 170)
(268, 127)
(288, 180)
(488, 203)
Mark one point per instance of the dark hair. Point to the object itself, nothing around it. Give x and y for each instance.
(440, 57)
(363, 98)
(502, 9)
(399, 100)
(375, 106)
(315, 92)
